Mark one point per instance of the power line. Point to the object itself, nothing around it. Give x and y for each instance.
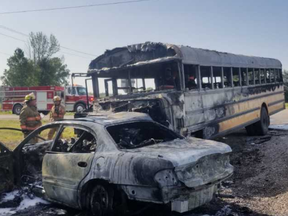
(14, 31)
(73, 7)
(5, 54)
(26, 35)
(25, 42)
(12, 37)
(74, 55)
(78, 51)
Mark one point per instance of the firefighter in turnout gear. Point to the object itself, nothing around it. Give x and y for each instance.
(57, 113)
(30, 118)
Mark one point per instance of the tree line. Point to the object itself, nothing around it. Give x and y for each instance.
(39, 67)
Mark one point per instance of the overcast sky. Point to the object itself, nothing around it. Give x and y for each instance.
(258, 27)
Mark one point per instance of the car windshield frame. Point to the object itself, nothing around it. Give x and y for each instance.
(162, 127)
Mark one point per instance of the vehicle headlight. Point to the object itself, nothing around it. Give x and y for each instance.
(166, 178)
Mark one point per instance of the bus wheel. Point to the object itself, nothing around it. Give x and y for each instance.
(205, 133)
(17, 109)
(263, 125)
(260, 128)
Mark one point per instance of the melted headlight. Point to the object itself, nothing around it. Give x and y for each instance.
(166, 178)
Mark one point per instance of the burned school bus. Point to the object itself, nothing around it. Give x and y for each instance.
(192, 91)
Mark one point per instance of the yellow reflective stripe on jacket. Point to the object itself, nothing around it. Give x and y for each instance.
(24, 127)
(38, 118)
(56, 115)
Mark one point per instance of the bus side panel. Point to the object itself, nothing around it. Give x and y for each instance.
(233, 108)
(194, 114)
(248, 108)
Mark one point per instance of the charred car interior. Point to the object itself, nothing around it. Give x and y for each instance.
(102, 163)
(137, 135)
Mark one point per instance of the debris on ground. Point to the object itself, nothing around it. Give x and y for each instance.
(18, 200)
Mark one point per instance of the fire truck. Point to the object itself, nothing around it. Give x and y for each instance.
(75, 98)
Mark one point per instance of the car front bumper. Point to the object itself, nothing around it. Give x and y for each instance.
(194, 199)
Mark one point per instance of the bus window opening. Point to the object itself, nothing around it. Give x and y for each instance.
(190, 72)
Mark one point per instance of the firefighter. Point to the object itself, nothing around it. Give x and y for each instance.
(57, 113)
(30, 118)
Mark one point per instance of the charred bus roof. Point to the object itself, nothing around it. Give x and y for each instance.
(152, 53)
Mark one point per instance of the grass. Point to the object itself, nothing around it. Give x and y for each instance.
(4, 112)
(12, 138)
(10, 112)
(9, 137)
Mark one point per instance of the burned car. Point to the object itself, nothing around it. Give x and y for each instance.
(101, 163)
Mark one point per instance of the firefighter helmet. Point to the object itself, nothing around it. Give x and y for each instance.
(56, 98)
(29, 97)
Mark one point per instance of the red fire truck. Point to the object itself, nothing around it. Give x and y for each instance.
(75, 98)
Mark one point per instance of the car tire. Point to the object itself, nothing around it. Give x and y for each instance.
(17, 109)
(101, 201)
(79, 108)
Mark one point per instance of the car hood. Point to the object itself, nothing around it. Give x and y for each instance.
(184, 151)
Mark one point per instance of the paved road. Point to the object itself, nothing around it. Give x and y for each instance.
(280, 118)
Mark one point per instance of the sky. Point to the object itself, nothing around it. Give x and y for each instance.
(258, 27)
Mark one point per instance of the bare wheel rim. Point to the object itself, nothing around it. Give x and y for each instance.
(99, 200)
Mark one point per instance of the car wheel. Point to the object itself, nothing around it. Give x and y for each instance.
(101, 201)
(17, 109)
(79, 108)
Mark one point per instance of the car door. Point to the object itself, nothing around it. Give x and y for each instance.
(9, 160)
(12, 163)
(6, 168)
(69, 161)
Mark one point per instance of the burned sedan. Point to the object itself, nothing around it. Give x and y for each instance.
(101, 163)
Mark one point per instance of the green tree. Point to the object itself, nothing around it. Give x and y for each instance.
(21, 71)
(285, 80)
(41, 69)
(41, 47)
(53, 72)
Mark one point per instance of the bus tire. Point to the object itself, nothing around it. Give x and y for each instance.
(79, 107)
(262, 126)
(17, 109)
(205, 133)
